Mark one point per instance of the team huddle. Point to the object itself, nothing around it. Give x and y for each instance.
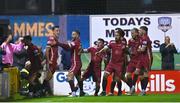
(123, 60)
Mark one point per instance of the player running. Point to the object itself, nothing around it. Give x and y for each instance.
(94, 67)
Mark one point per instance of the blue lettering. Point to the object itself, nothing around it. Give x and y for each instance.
(61, 77)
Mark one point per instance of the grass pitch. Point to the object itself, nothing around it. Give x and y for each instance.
(123, 98)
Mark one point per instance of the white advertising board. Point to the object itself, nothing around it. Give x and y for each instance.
(61, 86)
(159, 82)
(103, 26)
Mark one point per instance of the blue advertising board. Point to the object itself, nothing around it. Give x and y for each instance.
(36, 26)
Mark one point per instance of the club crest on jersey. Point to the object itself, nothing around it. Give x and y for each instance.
(144, 42)
(164, 23)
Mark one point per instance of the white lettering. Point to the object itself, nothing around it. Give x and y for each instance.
(170, 86)
(157, 82)
(162, 82)
(152, 83)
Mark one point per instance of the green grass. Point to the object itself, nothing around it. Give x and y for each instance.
(157, 61)
(85, 57)
(155, 66)
(124, 98)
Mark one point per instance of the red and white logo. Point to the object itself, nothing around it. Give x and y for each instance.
(159, 82)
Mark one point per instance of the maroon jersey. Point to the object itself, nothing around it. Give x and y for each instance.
(52, 43)
(123, 41)
(145, 56)
(75, 47)
(133, 45)
(145, 41)
(94, 67)
(117, 51)
(95, 58)
(34, 57)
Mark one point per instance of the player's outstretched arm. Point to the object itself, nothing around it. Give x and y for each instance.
(102, 50)
(64, 45)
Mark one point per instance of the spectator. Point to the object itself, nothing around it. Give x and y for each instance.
(167, 51)
(10, 49)
(66, 59)
(1, 53)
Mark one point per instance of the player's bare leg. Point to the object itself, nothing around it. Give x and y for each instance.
(129, 79)
(136, 74)
(129, 82)
(119, 84)
(144, 82)
(104, 83)
(113, 83)
(97, 88)
(134, 80)
(70, 78)
(80, 83)
(31, 82)
(32, 78)
(46, 83)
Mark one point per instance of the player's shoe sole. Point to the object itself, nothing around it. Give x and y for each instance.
(73, 94)
(110, 94)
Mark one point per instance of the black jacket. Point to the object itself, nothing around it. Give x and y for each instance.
(167, 54)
